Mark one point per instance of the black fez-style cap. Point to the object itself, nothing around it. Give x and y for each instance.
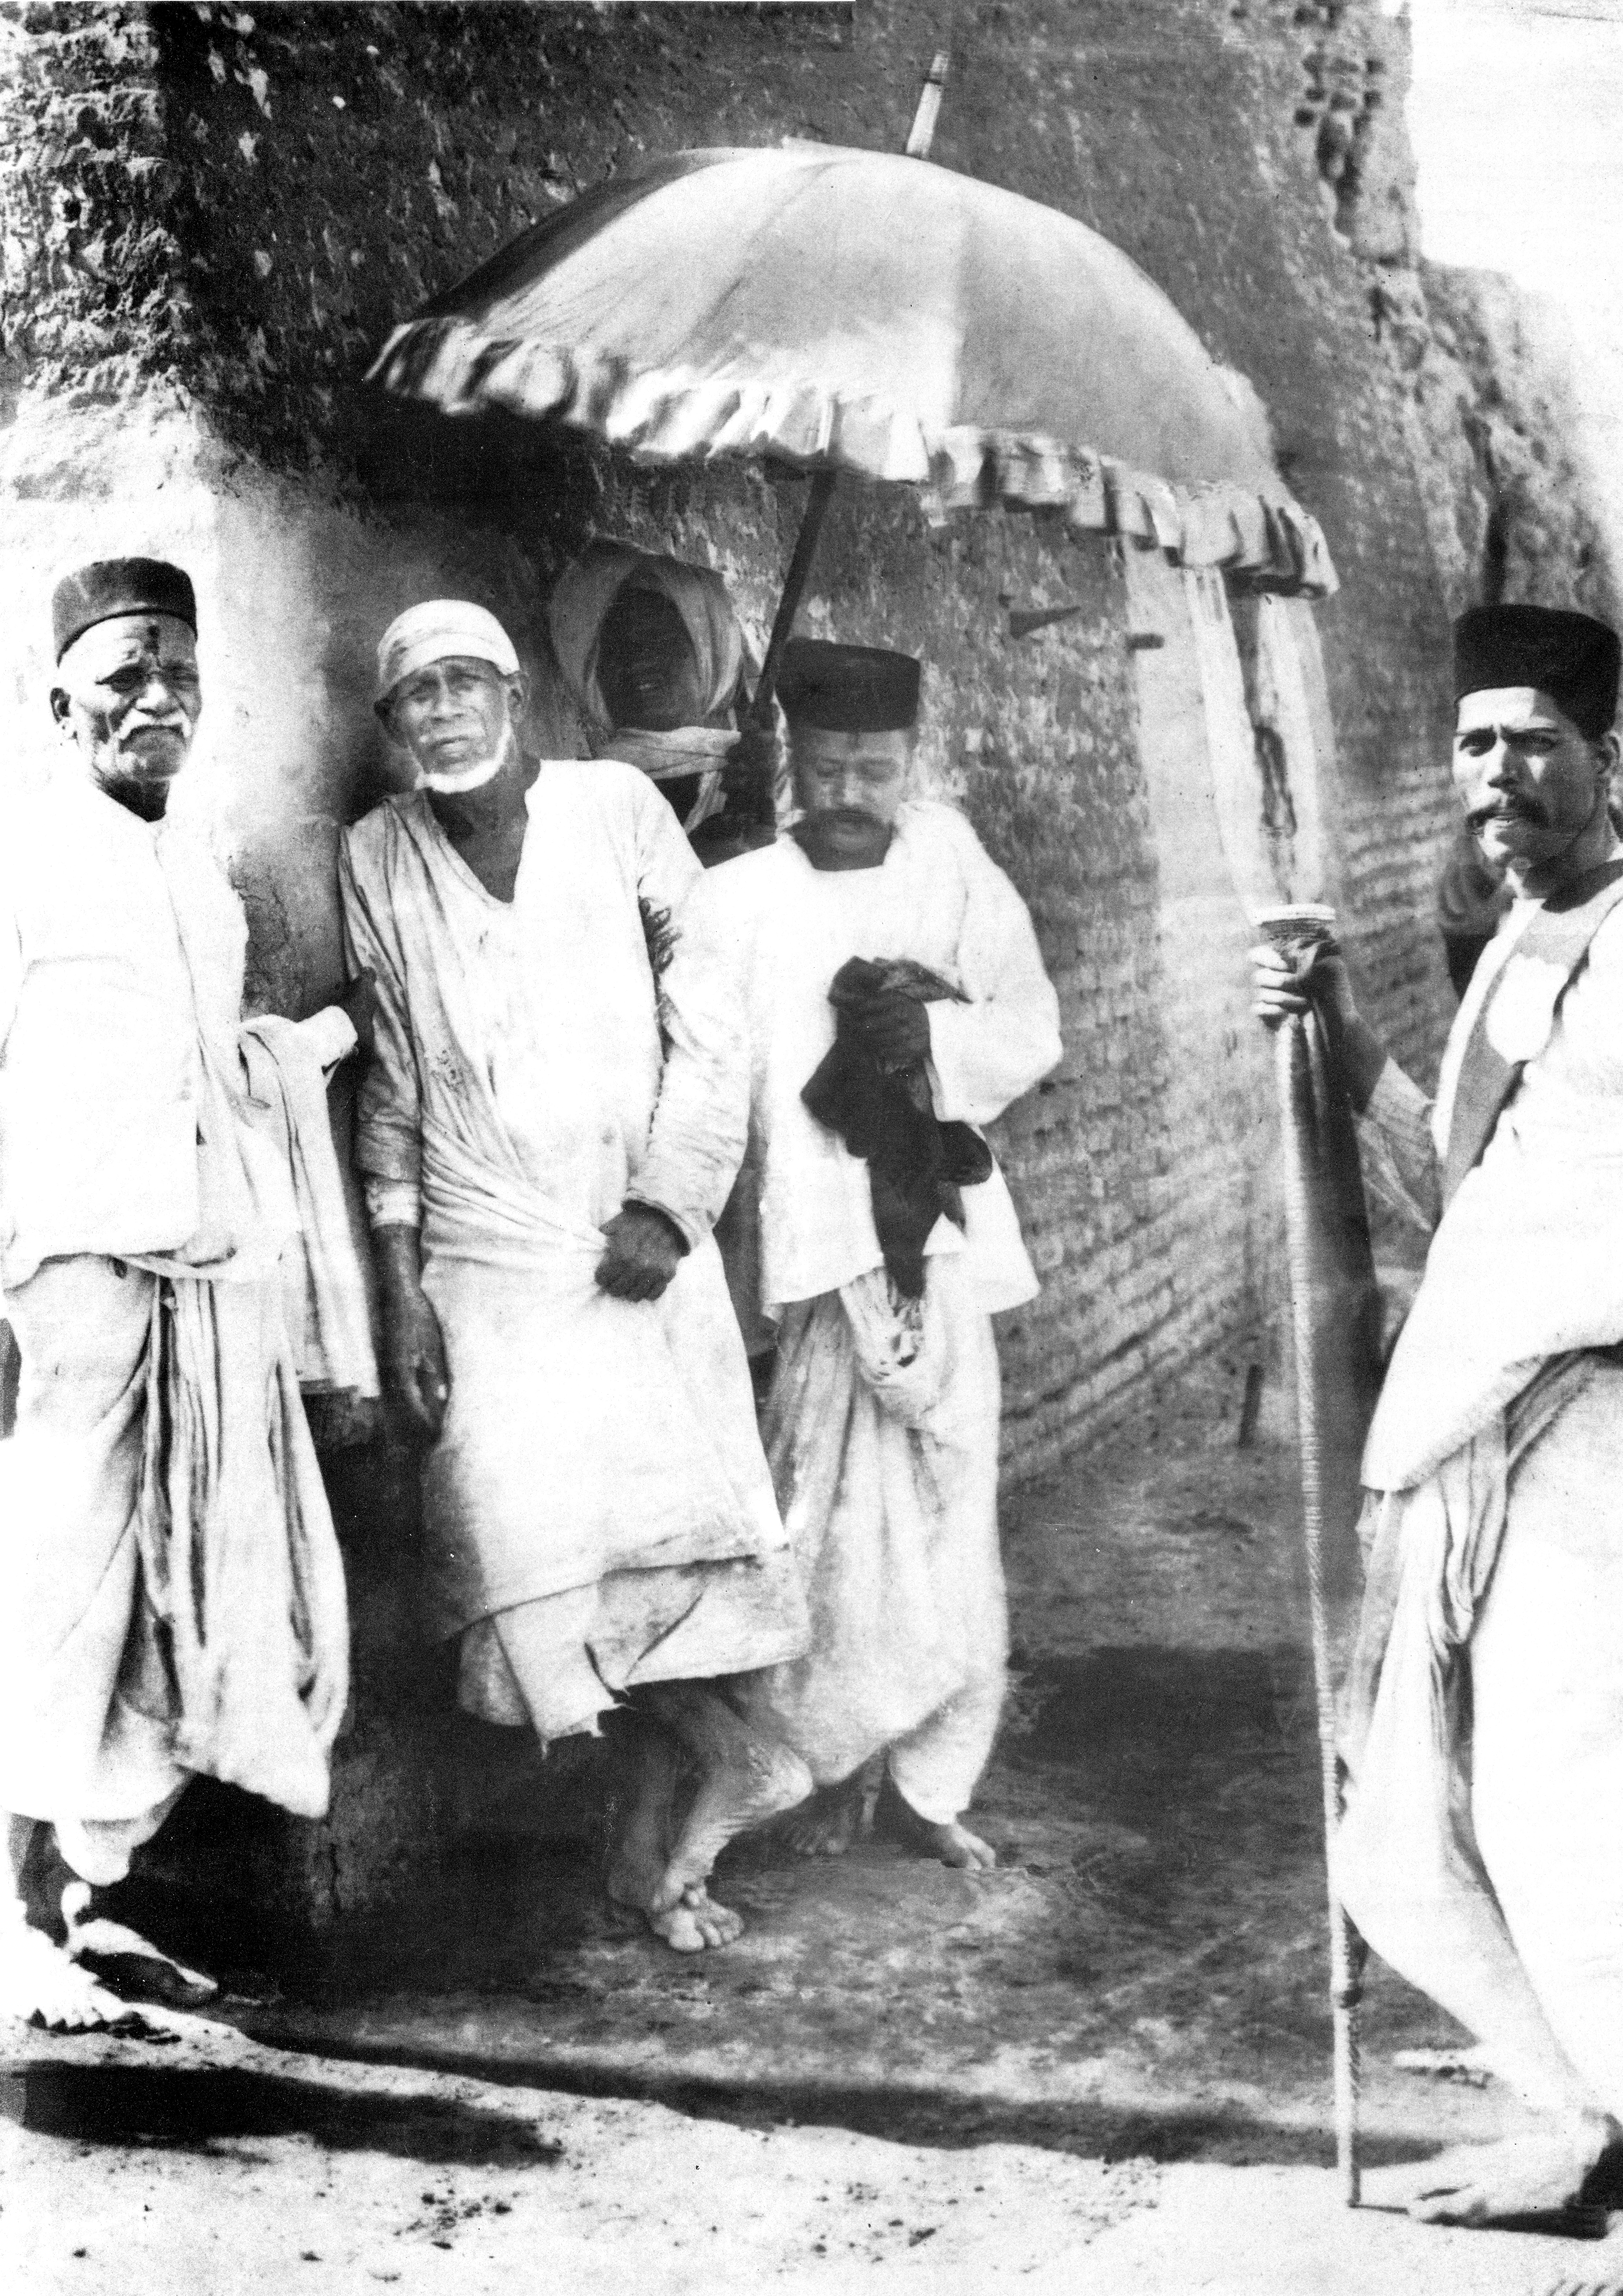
(848, 689)
(118, 586)
(1571, 657)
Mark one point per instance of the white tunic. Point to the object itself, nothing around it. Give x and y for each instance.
(782, 929)
(100, 1015)
(534, 1070)
(1528, 1261)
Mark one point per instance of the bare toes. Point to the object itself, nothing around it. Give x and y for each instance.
(718, 1925)
(690, 1920)
(678, 1929)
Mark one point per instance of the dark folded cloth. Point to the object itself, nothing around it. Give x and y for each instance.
(917, 1165)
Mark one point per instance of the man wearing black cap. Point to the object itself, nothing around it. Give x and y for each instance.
(895, 1003)
(1480, 1854)
(174, 1597)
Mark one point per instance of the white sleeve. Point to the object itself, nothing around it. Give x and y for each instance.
(388, 1144)
(696, 1140)
(986, 1053)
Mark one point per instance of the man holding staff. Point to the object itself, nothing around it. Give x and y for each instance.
(1484, 1730)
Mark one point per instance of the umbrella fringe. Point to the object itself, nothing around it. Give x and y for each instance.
(1263, 540)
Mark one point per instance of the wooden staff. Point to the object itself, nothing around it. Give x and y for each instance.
(1294, 931)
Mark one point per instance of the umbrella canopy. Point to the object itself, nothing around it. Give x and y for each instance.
(861, 311)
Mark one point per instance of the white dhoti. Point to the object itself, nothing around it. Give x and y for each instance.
(79, 1743)
(177, 1593)
(881, 1433)
(597, 1511)
(1481, 1854)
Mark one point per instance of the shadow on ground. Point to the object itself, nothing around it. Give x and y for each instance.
(193, 2108)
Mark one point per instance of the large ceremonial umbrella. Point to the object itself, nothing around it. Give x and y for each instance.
(834, 311)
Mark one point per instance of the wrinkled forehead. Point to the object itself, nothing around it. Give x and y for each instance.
(822, 745)
(457, 668)
(1515, 708)
(124, 641)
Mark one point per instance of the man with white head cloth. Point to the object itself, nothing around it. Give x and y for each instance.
(174, 1594)
(896, 1003)
(550, 1124)
(653, 658)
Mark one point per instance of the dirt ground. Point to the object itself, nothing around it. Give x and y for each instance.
(1102, 2067)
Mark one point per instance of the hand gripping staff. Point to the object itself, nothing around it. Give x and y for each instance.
(1331, 1273)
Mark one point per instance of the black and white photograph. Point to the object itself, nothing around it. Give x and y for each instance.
(811, 1277)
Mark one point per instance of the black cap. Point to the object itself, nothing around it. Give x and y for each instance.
(118, 586)
(1571, 657)
(848, 689)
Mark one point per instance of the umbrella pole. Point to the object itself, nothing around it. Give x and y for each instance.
(794, 588)
(1294, 1084)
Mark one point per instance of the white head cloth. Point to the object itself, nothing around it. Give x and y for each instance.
(439, 630)
(580, 605)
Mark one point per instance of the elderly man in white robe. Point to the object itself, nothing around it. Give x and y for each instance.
(1481, 1854)
(896, 1003)
(174, 1594)
(552, 1122)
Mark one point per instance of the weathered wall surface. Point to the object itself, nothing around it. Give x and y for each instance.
(210, 217)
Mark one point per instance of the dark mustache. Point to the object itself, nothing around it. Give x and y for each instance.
(846, 817)
(1511, 809)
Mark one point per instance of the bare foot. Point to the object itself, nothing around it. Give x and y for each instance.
(123, 1962)
(827, 1824)
(951, 1843)
(756, 1779)
(39, 1985)
(955, 1845)
(1532, 2181)
(695, 1921)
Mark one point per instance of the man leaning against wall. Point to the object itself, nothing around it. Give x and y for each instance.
(173, 1594)
(550, 1124)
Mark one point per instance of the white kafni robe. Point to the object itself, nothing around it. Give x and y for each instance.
(597, 1509)
(1478, 1855)
(882, 1424)
(174, 1598)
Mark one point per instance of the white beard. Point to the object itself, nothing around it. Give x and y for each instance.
(472, 777)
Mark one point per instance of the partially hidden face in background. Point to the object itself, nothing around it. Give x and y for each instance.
(646, 670)
(128, 694)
